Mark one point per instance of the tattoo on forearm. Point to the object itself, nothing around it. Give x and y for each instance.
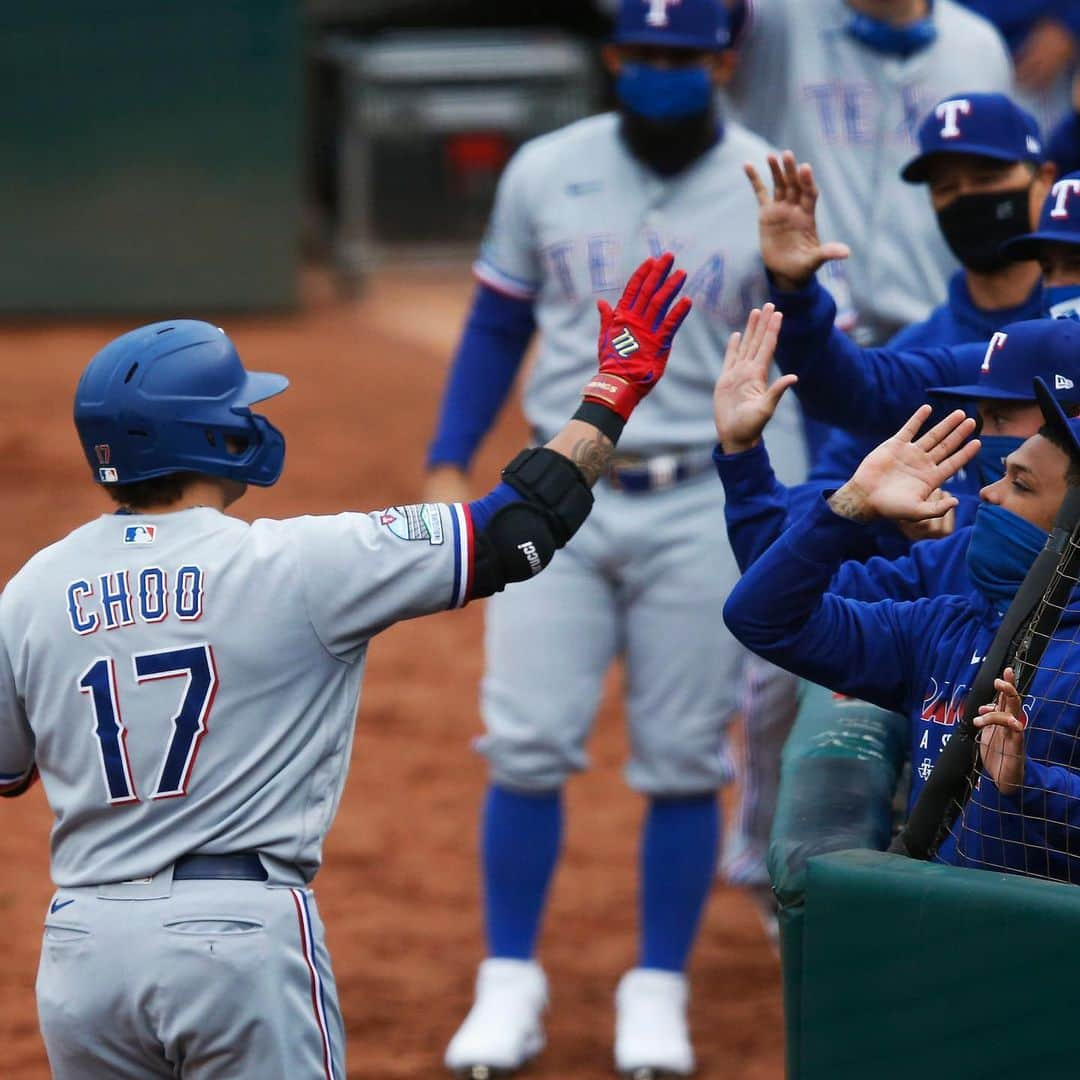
(850, 502)
(591, 456)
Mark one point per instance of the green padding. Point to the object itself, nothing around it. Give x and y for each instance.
(919, 970)
(151, 155)
(791, 935)
(839, 772)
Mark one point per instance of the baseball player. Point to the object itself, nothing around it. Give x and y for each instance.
(645, 579)
(759, 509)
(844, 83)
(920, 658)
(981, 159)
(185, 686)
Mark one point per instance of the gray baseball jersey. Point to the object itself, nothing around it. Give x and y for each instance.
(187, 682)
(806, 85)
(645, 575)
(574, 216)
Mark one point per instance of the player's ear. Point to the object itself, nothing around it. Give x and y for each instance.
(612, 58)
(1043, 181)
(723, 67)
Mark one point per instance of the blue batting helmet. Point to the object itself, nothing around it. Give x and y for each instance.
(162, 399)
(685, 24)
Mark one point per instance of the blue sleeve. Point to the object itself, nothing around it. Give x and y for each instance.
(1063, 147)
(483, 510)
(758, 508)
(930, 568)
(781, 609)
(755, 502)
(933, 331)
(869, 392)
(497, 333)
(840, 456)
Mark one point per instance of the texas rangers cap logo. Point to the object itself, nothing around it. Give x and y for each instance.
(950, 112)
(140, 534)
(658, 11)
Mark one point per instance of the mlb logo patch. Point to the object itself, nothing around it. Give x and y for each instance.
(108, 476)
(140, 534)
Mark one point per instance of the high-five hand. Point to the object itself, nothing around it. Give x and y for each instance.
(636, 337)
(743, 400)
(901, 478)
(787, 227)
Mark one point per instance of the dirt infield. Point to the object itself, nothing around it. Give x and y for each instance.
(399, 891)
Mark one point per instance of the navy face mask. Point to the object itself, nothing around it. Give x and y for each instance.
(668, 114)
(1062, 301)
(1002, 548)
(664, 93)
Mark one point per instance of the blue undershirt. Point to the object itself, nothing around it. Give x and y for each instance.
(497, 333)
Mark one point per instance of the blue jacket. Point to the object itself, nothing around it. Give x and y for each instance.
(869, 392)
(919, 658)
(956, 322)
(882, 564)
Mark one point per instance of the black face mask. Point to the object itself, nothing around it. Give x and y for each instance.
(975, 227)
(669, 146)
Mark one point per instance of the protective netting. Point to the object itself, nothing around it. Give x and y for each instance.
(1020, 811)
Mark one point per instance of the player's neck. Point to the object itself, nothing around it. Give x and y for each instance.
(1004, 289)
(200, 492)
(895, 12)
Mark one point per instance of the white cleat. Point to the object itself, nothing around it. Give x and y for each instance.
(504, 1028)
(651, 1034)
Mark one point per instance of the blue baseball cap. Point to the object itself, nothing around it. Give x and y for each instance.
(986, 125)
(1046, 348)
(675, 24)
(1067, 430)
(1059, 222)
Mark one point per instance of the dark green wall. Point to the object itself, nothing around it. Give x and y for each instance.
(917, 971)
(150, 157)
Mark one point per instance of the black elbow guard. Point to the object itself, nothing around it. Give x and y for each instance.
(554, 485)
(521, 538)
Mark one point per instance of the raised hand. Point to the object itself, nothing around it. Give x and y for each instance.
(1001, 738)
(901, 479)
(743, 400)
(636, 337)
(787, 227)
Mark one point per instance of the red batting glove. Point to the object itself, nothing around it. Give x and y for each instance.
(635, 338)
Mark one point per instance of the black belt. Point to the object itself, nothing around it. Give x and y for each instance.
(246, 866)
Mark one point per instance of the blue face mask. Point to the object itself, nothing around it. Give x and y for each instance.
(1002, 548)
(989, 463)
(664, 93)
(1062, 301)
(883, 37)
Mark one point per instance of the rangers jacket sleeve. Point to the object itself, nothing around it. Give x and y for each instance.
(782, 610)
(868, 392)
(755, 502)
(758, 508)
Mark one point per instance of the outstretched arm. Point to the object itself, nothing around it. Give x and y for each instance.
(544, 497)
(781, 608)
(866, 391)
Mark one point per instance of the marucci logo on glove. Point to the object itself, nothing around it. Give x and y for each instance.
(625, 344)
